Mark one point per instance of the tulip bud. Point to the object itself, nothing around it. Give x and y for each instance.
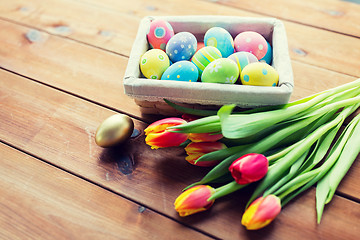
(261, 212)
(249, 168)
(157, 135)
(197, 149)
(204, 137)
(194, 200)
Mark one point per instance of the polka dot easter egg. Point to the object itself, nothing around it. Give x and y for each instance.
(268, 56)
(221, 39)
(181, 46)
(204, 56)
(181, 71)
(251, 42)
(259, 74)
(222, 70)
(153, 63)
(159, 34)
(242, 59)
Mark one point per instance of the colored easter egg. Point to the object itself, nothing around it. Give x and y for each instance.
(159, 34)
(222, 70)
(153, 63)
(242, 59)
(268, 56)
(251, 42)
(259, 74)
(204, 56)
(181, 46)
(181, 71)
(221, 39)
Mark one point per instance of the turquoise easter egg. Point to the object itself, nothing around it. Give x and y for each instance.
(222, 70)
(153, 63)
(181, 71)
(259, 74)
(181, 46)
(204, 56)
(268, 56)
(221, 39)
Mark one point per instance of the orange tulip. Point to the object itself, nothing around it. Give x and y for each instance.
(197, 149)
(194, 200)
(204, 137)
(261, 212)
(157, 135)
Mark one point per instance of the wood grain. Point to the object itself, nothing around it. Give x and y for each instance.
(62, 131)
(39, 201)
(97, 75)
(328, 14)
(323, 50)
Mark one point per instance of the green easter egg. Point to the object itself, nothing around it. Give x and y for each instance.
(222, 70)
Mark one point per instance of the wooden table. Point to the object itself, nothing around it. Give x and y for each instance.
(62, 64)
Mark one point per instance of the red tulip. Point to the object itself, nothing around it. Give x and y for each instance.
(196, 149)
(249, 168)
(157, 135)
(194, 200)
(261, 212)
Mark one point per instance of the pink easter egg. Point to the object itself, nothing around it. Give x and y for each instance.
(251, 42)
(159, 34)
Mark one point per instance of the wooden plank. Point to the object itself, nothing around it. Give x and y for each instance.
(83, 70)
(113, 27)
(40, 201)
(95, 74)
(328, 14)
(42, 124)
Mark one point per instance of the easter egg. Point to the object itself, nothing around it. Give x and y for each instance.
(259, 74)
(181, 46)
(204, 56)
(222, 70)
(159, 34)
(242, 59)
(114, 130)
(181, 71)
(153, 63)
(268, 56)
(251, 42)
(221, 39)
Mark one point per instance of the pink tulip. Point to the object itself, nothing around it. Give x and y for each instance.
(249, 168)
(261, 212)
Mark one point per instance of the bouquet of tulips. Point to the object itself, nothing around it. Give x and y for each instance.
(285, 149)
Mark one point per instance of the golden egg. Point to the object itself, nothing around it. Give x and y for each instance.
(114, 130)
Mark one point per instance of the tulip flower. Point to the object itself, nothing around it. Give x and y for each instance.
(261, 212)
(197, 149)
(158, 136)
(194, 200)
(249, 168)
(204, 137)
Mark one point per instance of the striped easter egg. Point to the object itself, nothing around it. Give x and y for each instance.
(242, 59)
(204, 56)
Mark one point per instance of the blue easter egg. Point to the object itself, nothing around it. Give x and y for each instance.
(268, 56)
(184, 71)
(181, 46)
(221, 39)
